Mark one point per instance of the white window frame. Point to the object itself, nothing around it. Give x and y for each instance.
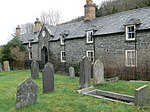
(62, 60)
(87, 52)
(127, 32)
(62, 41)
(30, 55)
(131, 58)
(30, 45)
(91, 36)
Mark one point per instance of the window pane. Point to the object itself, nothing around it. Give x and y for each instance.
(90, 55)
(132, 35)
(130, 59)
(132, 29)
(130, 32)
(89, 36)
(63, 56)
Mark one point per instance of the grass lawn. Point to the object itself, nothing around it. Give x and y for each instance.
(65, 97)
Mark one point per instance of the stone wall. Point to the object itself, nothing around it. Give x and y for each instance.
(111, 50)
(35, 51)
(76, 50)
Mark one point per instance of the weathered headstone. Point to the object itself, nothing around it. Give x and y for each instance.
(48, 78)
(26, 93)
(141, 95)
(98, 72)
(34, 69)
(85, 73)
(1, 67)
(6, 66)
(71, 73)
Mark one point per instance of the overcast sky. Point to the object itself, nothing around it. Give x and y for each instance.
(17, 12)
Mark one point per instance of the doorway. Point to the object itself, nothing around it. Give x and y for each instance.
(44, 55)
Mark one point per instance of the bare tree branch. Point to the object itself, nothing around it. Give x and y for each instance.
(50, 17)
(27, 28)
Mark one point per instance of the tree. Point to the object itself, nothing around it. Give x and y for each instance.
(27, 28)
(18, 57)
(0, 54)
(15, 42)
(17, 54)
(114, 6)
(50, 17)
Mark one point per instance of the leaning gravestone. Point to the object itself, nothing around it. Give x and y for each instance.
(1, 67)
(6, 66)
(48, 78)
(26, 93)
(71, 73)
(85, 73)
(34, 69)
(98, 72)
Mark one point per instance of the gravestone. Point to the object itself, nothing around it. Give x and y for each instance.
(26, 93)
(1, 67)
(113, 79)
(6, 66)
(98, 72)
(71, 73)
(85, 73)
(34, 69)
(141, 95)
(48, 78)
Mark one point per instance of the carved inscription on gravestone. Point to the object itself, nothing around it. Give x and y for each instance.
(48, 78)
(26, 93)
(71, 73)
(34, 69)
(6, 66)
(98, 72)
(85, 73)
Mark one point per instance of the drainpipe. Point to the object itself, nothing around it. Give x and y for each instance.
(94, 48)
(135, 74)
(64, 51)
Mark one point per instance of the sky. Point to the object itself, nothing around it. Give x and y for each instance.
(17, 12)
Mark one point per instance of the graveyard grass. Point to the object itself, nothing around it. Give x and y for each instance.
(65, 97)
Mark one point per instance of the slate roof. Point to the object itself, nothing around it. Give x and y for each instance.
(25, 38)
(104, 25)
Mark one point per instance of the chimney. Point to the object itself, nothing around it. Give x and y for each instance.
(89, 10)
(18, 31)
(38, 25)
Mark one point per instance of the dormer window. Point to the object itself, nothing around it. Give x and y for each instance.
(63, 56)
(89, 37)
(62, 40)
(130, 32)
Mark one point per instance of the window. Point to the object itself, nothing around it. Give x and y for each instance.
(30, 45)
(89, 38)
(30, 55)
(62, 41)
(130, 32)
(90, 55)
(130, 58)
(63, 56)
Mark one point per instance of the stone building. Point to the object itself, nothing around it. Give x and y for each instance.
(121, 41)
